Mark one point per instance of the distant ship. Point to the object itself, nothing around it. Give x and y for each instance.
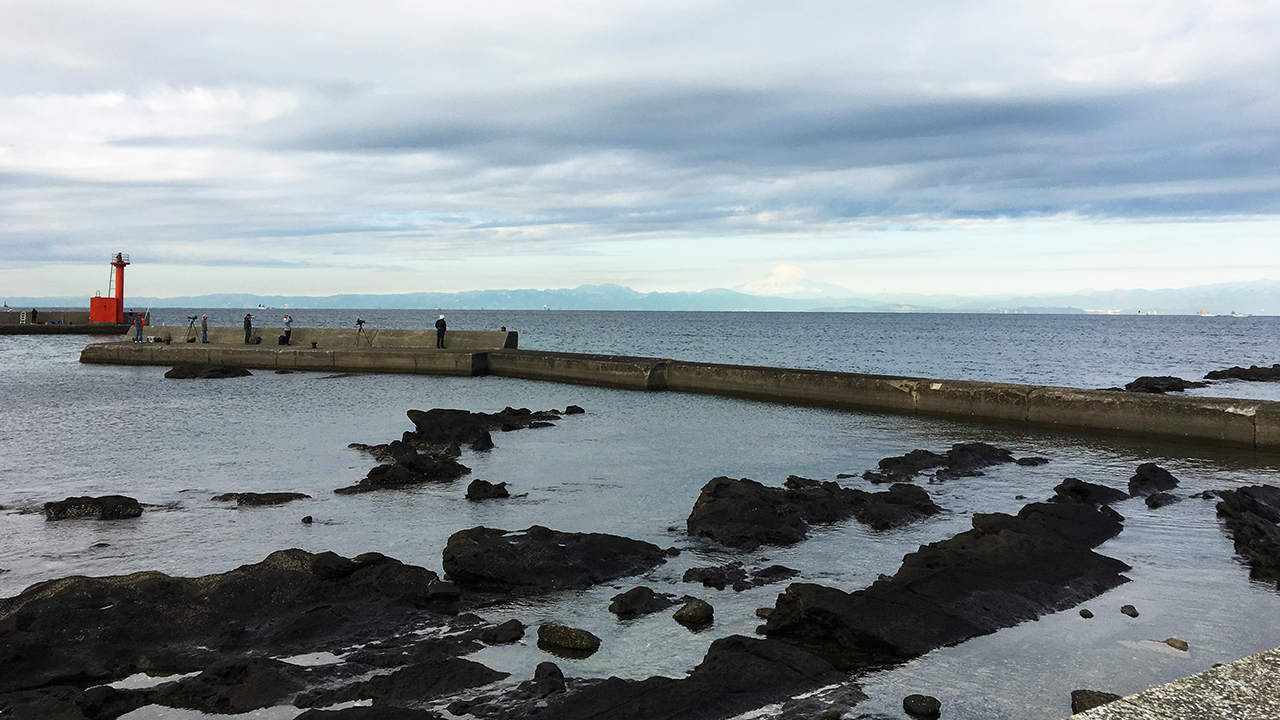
(1205, 314)
(1235, 314)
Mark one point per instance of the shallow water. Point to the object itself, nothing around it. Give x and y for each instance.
(633, 465)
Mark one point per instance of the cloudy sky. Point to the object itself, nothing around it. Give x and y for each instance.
(323, 147)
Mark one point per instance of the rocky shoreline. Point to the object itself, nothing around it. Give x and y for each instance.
(401, 634)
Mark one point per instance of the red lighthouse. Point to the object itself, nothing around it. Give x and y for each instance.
(111, 309)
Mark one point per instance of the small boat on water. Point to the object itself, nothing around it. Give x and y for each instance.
(1205, 314)
(1235, 314)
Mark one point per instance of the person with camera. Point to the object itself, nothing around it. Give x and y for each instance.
(204, 329)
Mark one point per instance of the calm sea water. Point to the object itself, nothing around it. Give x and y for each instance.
(633, 465)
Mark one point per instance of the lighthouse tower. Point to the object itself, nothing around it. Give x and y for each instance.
(110, 309)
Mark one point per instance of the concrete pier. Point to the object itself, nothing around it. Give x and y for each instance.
(1247, 689)
(1244, 423)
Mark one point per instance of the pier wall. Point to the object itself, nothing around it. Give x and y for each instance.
(342, 337)
(1247, 423)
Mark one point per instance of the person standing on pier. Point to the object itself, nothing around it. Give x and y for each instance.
(288, 328)
(440, 327)
(248, 328)
(204, 329)
(137, 324)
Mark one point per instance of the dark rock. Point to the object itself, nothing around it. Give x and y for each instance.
(413, 683)
(548, 680)
(485, 490)
(86, 630)
(1151, 478)
(307, 520)
(1086, 613)
(562, 637)
(695, 614)
(233, 687)
(106, 507)
(1084, 700)
(1253, 372)
(743, 513)
(1072, 490)
(205, 372)
(639, 601)
(795, 482)
(717, 576)
(1252, 518)
(51, 703)
(440, 426)
(962, 460)
(1162, 384)
(738, 674)
(282, 371)
(1160, 499)
(104, 701)
(1007, 570)
(410, 468)
(508, 632)
(1129, 610)
(255, 499)
(573, 410)
(772, 574)
(1177, 644)
(922, 706)
(542, 559)
(1032, 461)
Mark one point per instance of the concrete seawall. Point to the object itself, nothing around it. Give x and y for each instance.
(340, 337)
(1245, 423)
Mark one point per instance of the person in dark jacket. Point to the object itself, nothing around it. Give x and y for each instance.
(440, 328)
(248, 328)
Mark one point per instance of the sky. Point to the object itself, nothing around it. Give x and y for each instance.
(909, 146)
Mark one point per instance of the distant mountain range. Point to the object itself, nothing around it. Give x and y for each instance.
(785, 289)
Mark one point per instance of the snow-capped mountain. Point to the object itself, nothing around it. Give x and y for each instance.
(790, 281)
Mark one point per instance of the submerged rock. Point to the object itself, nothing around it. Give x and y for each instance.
(1073, 490)
(485, 490)
(1151, 478)
(105, 507)
(1007, 570)
(205, 372)
(543, 559)
(1253, 372)
(639, 601)
(255, 499)
(743, 513)
(1160, 499)
(733, 574)
(962, 460)
(1162, 384)
(1252, 518)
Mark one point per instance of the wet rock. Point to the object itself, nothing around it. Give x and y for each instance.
(106, 507)
(85, 630)
(735, 575)
(1129, 610)
(233, 687)
(543, 559)
(1086, 613)
(205, 372)
(256, 499)
(485, 490)
(1162, 384)
(1072, 490)
(1151, 478)
(573, 410)
(1084, 700)
(409, 468)
(695, 613)
(1007, 570)
(507, 632)
(563, 637)
(795, 482)
(1253, 372)
(639, 601)
(440, 426)
(53, 703)
(1252, 518)
(922, 706)
(736, 675)
(1160, 499)
(307, 520)
(413, 683)
(962, 460)
(1177, 644)
(1032, 461)
(548, 680)
(743, 513)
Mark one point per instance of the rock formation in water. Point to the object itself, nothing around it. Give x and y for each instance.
(254, 499)
(962, 460)
(1253, 372)
(1073, 490)
(1151, 478)
(734, 575)
(105, 507)
(1252, 517)
(205, 372)
(1007, 570)
(745, 514)
(539, 559)
(1161, 384)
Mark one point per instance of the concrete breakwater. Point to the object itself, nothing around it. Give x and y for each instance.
(1247, 423)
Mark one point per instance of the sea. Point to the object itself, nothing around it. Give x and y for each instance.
(633, 465)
